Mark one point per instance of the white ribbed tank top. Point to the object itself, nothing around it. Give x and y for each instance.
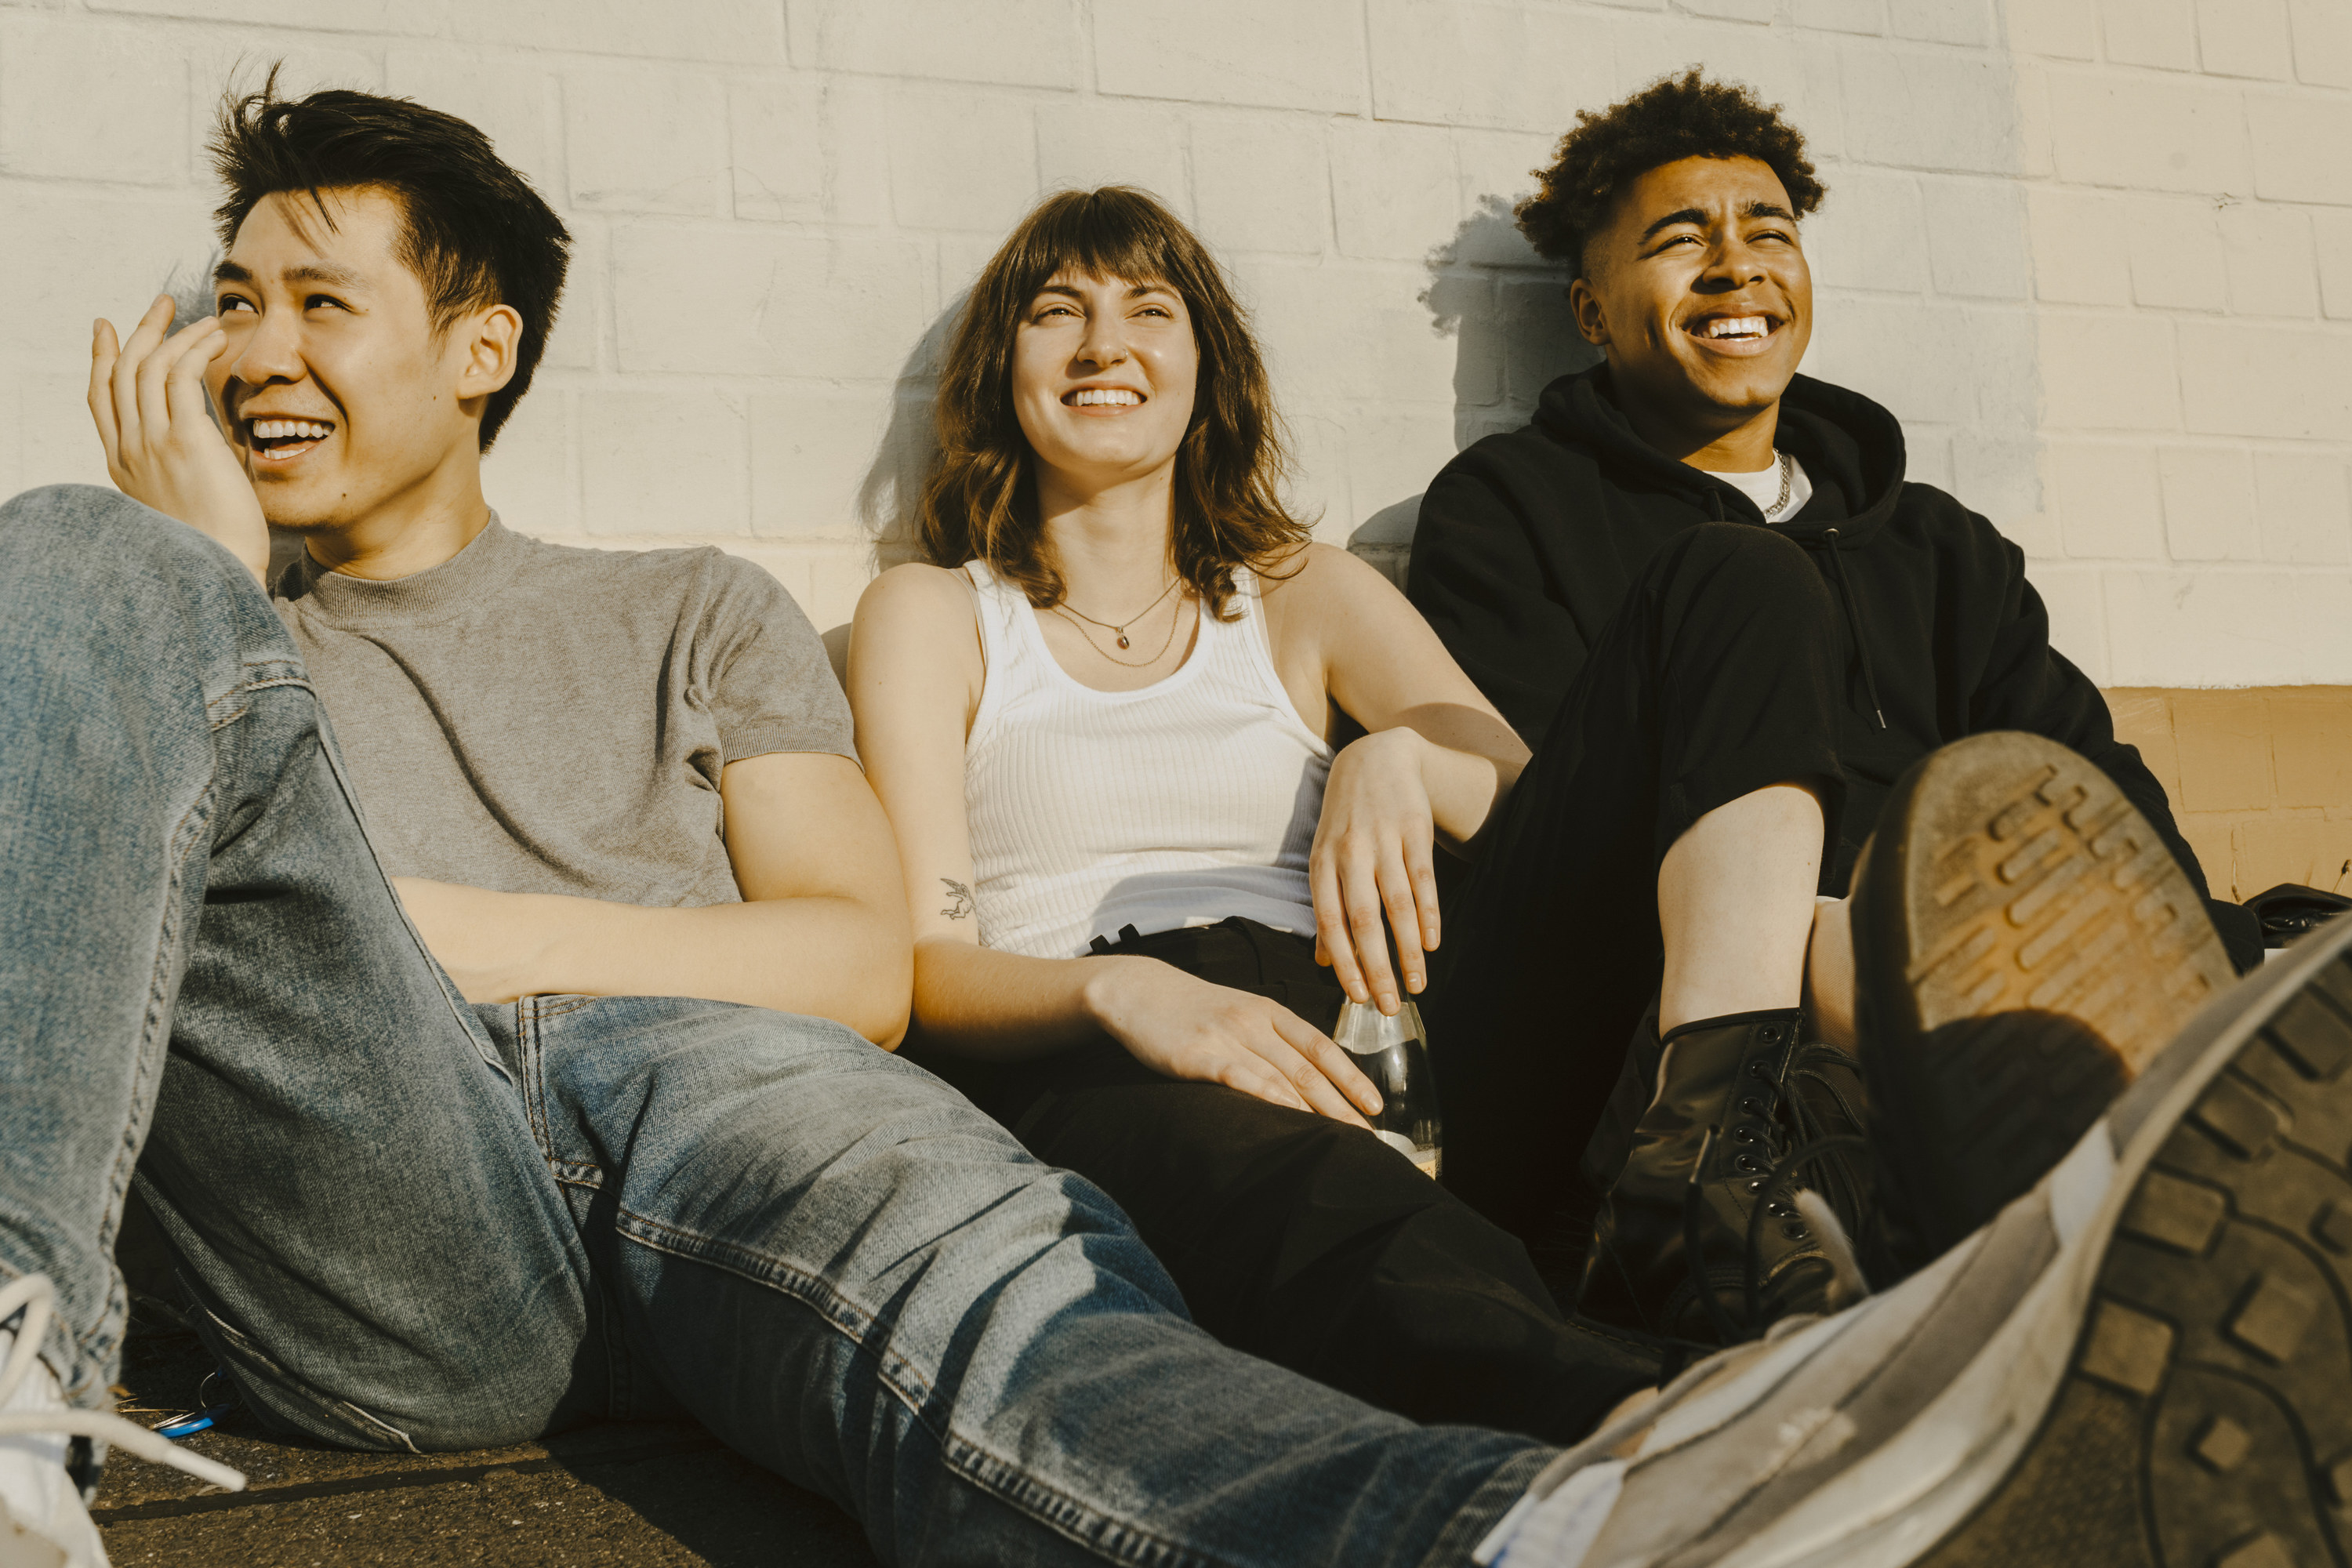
(1185, 803)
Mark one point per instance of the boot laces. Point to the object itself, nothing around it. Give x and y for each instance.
(1828, 1069)
(34, 1297)
(1831, 1237)
(1770, 1175)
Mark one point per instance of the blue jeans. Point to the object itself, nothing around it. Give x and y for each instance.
(411, 1224)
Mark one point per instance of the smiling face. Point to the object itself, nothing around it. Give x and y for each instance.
(340, 398)
(1103, 376)
(1698, 288)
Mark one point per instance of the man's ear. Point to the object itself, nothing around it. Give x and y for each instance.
(491, 340)
(1584, 301)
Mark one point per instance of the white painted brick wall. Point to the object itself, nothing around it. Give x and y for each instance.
(2096, 253)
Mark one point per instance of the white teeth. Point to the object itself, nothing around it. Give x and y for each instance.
(1090, 396)
(289, 429)
(1738, 327)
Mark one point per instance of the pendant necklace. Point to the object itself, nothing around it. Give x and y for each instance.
(1165, 643)
(1119, 629)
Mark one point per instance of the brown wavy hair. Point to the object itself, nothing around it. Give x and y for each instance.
(980, 500)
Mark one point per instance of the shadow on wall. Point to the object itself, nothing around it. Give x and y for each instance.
(889, 494)
(892, 489)
(1506, 309)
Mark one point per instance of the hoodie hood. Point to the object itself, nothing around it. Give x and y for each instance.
(1851, 449)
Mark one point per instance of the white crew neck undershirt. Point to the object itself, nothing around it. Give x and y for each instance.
(1763, 487)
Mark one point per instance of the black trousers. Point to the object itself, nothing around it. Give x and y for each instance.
(1721, 674)
(1306, 1241)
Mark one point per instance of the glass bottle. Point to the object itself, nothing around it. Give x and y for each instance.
(1394, 1053)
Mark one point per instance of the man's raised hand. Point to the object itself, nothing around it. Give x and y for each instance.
(161, 445)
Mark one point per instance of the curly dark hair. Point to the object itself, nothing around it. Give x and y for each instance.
(474, 231)
(980, 500)
(1674, 118)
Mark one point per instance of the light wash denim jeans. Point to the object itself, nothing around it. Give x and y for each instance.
(413, 1223)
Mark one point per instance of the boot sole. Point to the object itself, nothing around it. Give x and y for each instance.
(2025, 943)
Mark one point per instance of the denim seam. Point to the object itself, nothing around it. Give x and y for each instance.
(1485, 1507)
(534, 1077)
(531, 1012)
(244, 689)
(98, 1342)
(992, 1473)
(287, 1379)
(467, 1025)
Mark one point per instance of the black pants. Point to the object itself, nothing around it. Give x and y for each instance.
(1721, 674)
(1306, 1241)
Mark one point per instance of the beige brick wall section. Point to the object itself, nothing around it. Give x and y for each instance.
(2096, 253)
(2261, 779)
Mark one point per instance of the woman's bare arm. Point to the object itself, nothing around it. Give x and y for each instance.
(1436, 761)
(915, 680)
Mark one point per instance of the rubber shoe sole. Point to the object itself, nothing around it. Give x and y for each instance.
(2025, 944)
(2205, 1417)
(2146, 1363)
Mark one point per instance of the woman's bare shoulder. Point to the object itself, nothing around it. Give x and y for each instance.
(1324, 575)
(917, 590)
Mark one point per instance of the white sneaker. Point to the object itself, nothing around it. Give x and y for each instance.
(2146, 1360)
(43, 1520)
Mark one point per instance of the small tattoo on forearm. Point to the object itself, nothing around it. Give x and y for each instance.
(959, 898)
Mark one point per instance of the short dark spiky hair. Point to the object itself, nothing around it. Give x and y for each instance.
(1672, 119)
(476, 233)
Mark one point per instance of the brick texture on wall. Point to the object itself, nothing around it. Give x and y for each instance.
(2260, 778)
(2096, 253)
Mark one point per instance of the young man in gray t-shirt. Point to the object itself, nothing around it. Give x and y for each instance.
(628, 1147)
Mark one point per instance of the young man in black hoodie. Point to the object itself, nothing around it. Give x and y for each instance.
(1699, 585)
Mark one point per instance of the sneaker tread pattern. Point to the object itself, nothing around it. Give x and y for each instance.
(2205, 1420)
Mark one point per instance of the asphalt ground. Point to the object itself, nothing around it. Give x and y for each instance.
(648, 1496)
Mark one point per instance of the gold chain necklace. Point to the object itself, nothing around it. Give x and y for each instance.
(1165, 642)
(1119, 629)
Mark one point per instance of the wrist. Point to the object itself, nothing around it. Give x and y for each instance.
(1104, 993)
(1416, 746)
(556, 934)
(1411, 751)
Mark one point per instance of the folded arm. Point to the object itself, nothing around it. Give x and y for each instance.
(822, 930)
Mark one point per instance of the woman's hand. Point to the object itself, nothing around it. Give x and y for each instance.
(1373, 856)
(1186, 1027)
(161, 445)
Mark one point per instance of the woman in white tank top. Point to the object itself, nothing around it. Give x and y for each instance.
(1103, 721)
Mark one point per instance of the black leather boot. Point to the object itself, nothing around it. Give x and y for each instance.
(1680, 1249)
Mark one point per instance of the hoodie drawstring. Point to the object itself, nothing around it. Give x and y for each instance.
(1855, 621)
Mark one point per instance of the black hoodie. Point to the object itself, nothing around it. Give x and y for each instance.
(1529, 541)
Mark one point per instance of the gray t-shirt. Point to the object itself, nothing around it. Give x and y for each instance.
(538, 719)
